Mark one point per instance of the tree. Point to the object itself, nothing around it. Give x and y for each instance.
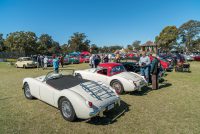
(22, 42)
(136, 45)
(55, 49)
(129, 47)
(196, 44)
(78, 42)
(2, 47)
(167, 38)
(189, 32)
(65, 48)
(94, 48)
(45, 44)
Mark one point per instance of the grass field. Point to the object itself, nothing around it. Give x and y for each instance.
(173, 109)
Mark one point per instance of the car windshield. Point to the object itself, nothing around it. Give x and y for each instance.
(118, 69)
(26, 59)
(52, 75)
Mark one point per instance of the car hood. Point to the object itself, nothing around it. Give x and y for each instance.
(129, 76)
(98, 93)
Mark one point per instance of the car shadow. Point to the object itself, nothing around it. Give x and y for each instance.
(146, 90)
(164, 85)
(110, 116)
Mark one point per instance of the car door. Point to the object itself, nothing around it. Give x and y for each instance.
(101, 75)
(47, 93)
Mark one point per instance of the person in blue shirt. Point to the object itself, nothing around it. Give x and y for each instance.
(55, 64)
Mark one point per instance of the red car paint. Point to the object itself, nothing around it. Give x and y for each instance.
(131, 55)
(84, 58)
(109, 67)
(197, 58)
(164, 64)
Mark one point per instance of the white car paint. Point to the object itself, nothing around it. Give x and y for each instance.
(77, 95)
(131, 81)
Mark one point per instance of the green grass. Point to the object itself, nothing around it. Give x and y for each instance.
(173, 109)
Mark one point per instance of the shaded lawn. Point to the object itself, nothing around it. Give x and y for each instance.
(175, 108)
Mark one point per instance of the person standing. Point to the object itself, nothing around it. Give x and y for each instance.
(61, 60)
(55, 64)
(117, 58)
(45, 62)
(105, 60)
(96, 61)
(38, 61)
(155, 69)
(110, 57)
(91, 61)
(144, 63)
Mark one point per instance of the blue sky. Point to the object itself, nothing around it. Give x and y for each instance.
(105, 22)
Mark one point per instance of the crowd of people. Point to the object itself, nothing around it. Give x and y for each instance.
(149, 69)
(42, 60)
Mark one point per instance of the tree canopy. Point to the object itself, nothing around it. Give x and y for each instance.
(167, 38)
(136, 45)
(189, 32)
(23, 42)
(78, 42)
(2, 47)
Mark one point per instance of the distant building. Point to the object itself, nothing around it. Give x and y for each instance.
(149, 46)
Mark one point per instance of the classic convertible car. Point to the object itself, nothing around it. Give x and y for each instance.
(114, 75)
(76, 98)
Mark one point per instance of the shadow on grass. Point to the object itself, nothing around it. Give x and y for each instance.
(164, 85)
(110, 116)
(146, 90)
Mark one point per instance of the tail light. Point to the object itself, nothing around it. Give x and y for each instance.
(89, 104)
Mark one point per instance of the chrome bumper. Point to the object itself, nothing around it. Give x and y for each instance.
(99, 111)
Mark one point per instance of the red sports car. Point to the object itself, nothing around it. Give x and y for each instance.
(166, 65)
(84, 58)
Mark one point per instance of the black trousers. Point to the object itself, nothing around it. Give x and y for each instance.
(154, 79)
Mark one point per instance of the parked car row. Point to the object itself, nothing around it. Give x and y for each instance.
(85, 93)
(27, 62)
(91, 92)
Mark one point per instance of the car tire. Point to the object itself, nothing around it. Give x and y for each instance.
(78, 76)
(117, 85)
(67, 109)
(16, 66)
(27, 91)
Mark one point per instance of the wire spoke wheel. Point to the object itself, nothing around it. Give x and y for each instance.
(66, 109)
(27, 91)
(118, 87)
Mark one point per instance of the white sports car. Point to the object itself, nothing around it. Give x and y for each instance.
(114, 75)
(74, 97)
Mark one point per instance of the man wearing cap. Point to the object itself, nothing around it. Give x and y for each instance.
(144, 63)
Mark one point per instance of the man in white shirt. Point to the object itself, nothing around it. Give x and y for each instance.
(144, 63)
(45, 62)
(110, 57)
